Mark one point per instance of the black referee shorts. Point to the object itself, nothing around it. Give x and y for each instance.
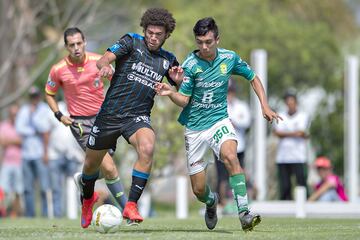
(81, 129)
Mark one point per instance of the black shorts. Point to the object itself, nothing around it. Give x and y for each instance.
(106, 131)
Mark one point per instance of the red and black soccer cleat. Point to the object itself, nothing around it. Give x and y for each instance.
(131, 213)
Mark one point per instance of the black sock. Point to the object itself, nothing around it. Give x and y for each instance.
(88, 182)
(139, 180)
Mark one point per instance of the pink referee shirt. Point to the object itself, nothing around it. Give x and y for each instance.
(83, 89)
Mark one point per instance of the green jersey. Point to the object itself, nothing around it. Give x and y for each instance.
(206, 83)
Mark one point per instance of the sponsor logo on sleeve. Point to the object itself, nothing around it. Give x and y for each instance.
(50, 83)
(114, 47)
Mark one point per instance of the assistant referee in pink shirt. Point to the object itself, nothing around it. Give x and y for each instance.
(83, 89)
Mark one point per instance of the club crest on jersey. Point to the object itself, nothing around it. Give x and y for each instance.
(166, 64)
(223, 68)
(96, 83)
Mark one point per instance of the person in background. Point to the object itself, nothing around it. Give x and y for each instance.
(330, 187)
(11, 177)
(64, 160)
(2, 203)
(291, 150)
(33, 125)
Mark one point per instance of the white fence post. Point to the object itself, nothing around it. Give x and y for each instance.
(71, 201)
(351, 121)
(259, 64)
(300, 200)
(182, 209)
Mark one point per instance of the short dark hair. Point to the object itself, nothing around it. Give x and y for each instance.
(158, 17)
(205, 25)
(290, 93)
(72, 31)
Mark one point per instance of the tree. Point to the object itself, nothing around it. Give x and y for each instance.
(30, 35)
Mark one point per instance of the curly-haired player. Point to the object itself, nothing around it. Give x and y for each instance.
(140, 63)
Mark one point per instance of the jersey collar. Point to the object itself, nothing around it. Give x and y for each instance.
(195, 52)
(69, 62)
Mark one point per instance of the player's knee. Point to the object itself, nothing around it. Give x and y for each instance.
(90, 164)
(110, 171)
(230, 160)
(232, 164)
(199, 191)
(146, 150)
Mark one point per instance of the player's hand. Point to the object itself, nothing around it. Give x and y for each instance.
(106, 72)
(176, 73)
(66, 120)
(163, 89)
(270, 115)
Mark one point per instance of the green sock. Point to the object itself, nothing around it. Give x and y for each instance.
(208, 197)
(238, 186)
(117, 190)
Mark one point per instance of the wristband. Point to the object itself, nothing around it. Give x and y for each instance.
(58, 115)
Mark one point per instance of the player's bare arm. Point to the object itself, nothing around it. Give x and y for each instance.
(50, 99)
(103, 64)
(267, 112)
(298, 134)
(163, 89)
(323, 189)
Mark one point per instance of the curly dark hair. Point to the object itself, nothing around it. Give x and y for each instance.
(158, 17)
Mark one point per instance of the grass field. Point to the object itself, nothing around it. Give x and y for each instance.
(192, 228)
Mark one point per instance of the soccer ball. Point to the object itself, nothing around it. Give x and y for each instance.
(106, 219)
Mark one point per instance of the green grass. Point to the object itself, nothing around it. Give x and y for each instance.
(192, 228)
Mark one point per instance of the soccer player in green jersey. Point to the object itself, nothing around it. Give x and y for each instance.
(203, 96)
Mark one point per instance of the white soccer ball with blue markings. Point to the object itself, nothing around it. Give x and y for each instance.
(106, 219)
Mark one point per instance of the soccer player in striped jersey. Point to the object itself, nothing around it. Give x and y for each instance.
(203, 96)
(83, 89)
(140, 63)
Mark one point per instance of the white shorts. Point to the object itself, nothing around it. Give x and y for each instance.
(197, 143)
